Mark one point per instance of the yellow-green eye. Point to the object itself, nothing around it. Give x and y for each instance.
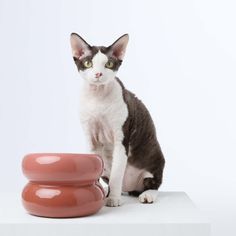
(109, 64)
(88, 64)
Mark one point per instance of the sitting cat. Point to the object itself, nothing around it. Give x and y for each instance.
(118, 125)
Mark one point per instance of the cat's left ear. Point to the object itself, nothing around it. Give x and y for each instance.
(80, 48)
(118, 48)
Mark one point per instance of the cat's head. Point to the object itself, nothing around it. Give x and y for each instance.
(98, 65)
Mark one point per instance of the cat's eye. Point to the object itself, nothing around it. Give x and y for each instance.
(87, 64)
(109, 64)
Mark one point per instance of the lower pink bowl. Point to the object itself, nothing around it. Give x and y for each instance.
(62, 185)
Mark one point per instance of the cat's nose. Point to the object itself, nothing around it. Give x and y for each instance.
(98, 75)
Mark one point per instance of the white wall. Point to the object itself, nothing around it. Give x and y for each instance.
(180, 62)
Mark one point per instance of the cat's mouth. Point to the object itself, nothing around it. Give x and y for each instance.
(97, 81)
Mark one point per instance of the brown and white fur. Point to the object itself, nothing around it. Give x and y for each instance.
(117, 124)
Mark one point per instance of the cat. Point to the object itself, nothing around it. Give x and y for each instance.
(118, 126)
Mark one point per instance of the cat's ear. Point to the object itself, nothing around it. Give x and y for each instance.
(118, 48)
(80, 48)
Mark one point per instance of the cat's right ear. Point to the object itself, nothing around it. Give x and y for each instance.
(80, 48)
(118, 48)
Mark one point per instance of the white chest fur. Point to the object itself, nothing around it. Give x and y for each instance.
(103, 112)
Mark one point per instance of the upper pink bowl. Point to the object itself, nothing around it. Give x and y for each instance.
(65, 168)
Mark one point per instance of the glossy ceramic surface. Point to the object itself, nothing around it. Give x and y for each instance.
(62, 185)
(63, 168)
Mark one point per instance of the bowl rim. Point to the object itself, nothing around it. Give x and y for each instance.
(60, 153)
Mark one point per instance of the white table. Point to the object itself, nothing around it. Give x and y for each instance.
(173, 214)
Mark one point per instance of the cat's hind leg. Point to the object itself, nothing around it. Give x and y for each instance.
(150, 192)
(148, 196)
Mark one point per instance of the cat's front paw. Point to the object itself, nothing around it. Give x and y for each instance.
(113, 201)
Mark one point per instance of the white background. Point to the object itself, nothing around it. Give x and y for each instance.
(180, 61)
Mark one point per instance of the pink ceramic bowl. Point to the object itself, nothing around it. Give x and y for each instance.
(62, 184)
